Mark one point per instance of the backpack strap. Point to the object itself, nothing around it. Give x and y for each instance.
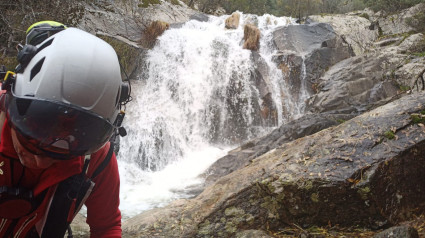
(64, 202)
(69, 197)
(105, 162)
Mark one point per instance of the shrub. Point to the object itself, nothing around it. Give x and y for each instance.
(417, 22)
(391, 6)
(364, 15)
(147, 3)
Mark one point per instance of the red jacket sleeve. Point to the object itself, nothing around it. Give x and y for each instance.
(103, 214)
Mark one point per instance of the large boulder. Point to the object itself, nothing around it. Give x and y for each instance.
(367, 171)
(251, 37)
(266, 114)
(152, 32)
(353, 85)
(357, 30)
(399, 23)
(127, 19)
(398, 231)
(232, 22)
(306, 52)
(243, 155)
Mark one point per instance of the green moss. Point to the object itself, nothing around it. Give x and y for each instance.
(250, 219)
(389, 135)
(340, 121)
(234, 211)
(307, 185)
(315, 229)
(364, 192)
(404, 88)
(417, 118)
(314, 197)
(272, 205)
(364, 15)
(147, 3)
(420, 54)
(231, 227)
(205, 228)
(175, 2)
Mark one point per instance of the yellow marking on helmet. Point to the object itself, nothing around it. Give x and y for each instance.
(51, 23)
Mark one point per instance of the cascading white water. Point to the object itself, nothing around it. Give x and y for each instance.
(194, 102)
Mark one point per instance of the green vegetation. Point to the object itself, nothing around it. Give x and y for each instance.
(364, 15)
(389, 135)
(418, 117)
(390, 6)
(17, 16)
(417, 22)
(294, 8)
(175, 2)
(419, 54)
(364, 192)
(147, 3)
(404, 88)
(302, 8)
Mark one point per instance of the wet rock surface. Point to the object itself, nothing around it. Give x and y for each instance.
(351, 174)
(308, 51)
(359, 32)
(243, 155)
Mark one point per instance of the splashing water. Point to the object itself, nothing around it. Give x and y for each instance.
(196, 100)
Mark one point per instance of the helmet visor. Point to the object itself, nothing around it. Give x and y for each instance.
(60, 131)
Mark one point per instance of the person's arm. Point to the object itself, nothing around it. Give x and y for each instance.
(103, 214)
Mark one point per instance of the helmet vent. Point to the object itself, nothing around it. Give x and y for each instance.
(117, 97)
(36, 69)
(45, 45)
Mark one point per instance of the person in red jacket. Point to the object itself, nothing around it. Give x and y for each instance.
(58, 116)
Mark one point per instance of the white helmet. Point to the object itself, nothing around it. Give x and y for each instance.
(74, 82)
(77, 68)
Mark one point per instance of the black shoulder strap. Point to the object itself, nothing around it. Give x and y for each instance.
(69, 191)
(105, 162)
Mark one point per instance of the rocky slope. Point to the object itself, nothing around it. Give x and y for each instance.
(364, 172)
(367, 171)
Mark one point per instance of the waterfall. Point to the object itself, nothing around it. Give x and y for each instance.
(197, 98)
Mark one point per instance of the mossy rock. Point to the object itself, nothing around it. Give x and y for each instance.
(128, 55)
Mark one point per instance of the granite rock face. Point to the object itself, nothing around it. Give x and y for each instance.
(306, 52)
(353, 173)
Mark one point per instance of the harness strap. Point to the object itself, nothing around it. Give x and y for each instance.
(69, 197)
(105, 162)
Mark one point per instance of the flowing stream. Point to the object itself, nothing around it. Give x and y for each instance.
(195, 101)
